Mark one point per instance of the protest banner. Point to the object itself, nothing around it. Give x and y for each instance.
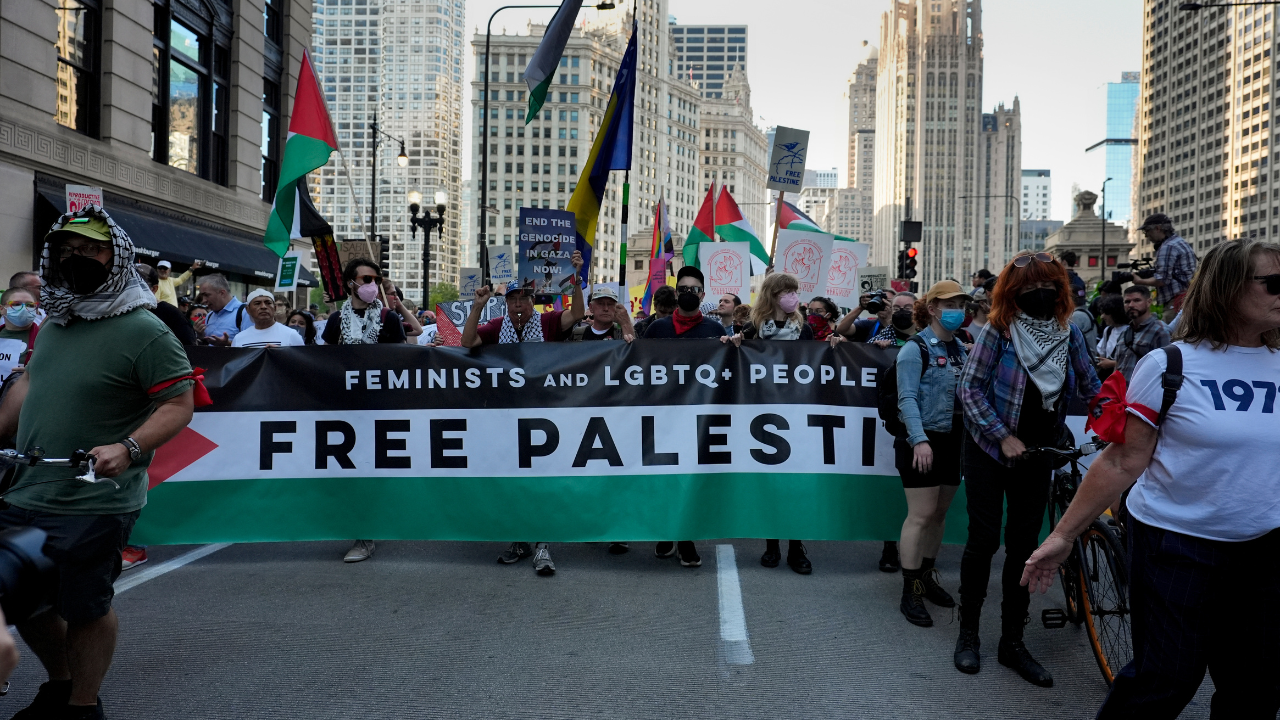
(80, 196)
(847, 258)
(807, 255)
(469, 280)
(502, 265)
(600, 442)
(727, 268)
(547, 241)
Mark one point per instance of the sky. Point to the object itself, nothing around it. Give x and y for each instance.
(1056, 57)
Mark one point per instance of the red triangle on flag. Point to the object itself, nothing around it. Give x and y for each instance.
(310, 117)
(176, 455)
(446, 330)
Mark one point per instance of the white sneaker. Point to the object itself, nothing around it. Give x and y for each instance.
(542, 559)
(360, 550)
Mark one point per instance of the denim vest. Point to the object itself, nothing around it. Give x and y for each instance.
(928, 402)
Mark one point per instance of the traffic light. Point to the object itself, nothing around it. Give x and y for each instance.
(910, 233)
(384, 255)
(909, 267)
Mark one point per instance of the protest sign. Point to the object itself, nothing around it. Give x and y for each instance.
(726, 267)
(502, 265)
(349, 250)
(458, 310)
(287, 271)
(873, 278)
(842, 277)
(547, 241)
(807, 255)
(79, 196)
(787, 159)
(469, 280)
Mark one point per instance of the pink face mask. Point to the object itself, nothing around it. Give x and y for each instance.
(789, 302)
(367, 292)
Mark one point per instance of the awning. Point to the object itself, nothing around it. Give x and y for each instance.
(159, 235)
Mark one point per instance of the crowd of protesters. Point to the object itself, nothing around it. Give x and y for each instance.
(981, 374)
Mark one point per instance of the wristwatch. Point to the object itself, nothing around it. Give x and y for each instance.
(135, 450)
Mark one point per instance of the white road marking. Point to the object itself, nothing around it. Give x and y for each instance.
(733, 622)
(133, 580)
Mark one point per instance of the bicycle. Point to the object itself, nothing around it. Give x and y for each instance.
(79, 460)
(1095, 578)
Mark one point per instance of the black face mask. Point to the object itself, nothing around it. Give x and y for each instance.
(688, 301)
(1038, 303)
(903, 318)
(83, 274)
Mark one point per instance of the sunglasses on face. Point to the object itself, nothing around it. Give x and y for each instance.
(1025, 260)
(366, 279)
(695, 289)
(89, 249)
(1272, 281)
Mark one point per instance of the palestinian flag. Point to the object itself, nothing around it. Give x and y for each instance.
(793, 218)
(542, 67)
(310, 142)
(704, 227)
(735, 228)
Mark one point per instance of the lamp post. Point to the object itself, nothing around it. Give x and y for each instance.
(426, 222)
(484, 128)
(1102, 215)
(402, 160)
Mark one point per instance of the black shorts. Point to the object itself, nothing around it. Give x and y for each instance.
(946, 459)
(85, 550)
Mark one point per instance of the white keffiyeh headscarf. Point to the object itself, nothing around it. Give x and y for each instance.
(532, 330)
(358, 330)
(123, 291)
(1042, 347)
(790, 330)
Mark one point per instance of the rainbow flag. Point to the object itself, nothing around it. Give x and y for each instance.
(610, 151)
(662, 251)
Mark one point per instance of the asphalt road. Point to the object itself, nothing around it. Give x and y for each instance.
(440, 630)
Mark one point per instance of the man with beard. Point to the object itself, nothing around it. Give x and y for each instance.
(1144, 333)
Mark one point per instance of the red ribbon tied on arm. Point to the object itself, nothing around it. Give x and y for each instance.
(199, 393)
(1108, 410)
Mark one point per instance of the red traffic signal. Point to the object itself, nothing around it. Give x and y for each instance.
(912, 252)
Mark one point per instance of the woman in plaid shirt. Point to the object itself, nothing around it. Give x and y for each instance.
(1027, 365)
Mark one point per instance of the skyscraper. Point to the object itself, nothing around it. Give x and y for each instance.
(399, 63)
(1037, 194)
(1204, 140)
(854, 208)
(733, 149)
(1122, 102)
(705, 54)
(930, 143)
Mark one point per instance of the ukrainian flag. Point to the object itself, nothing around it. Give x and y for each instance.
(610, 151)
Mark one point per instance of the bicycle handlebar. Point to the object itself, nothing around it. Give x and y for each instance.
(35, 456)
(1077, 453)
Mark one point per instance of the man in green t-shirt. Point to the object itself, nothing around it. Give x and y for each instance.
(109, 377)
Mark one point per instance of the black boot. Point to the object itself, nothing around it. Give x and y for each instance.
(933, 591)
(912, 605)
(889, 557)
(797, 558)
(967, 657)
(1013, 654)
(772, 554)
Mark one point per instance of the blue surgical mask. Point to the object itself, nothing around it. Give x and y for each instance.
(19, 316)
(952, 319)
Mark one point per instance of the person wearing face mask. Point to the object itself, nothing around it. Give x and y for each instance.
(363, 319)
(300, 322)
(18, 336)
(1027, 365)
(1174, 267)
(861, 330)
(688, 320)
(902, 322)
(822, 318)
(928, 456)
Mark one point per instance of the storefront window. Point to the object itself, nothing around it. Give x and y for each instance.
(77, 47)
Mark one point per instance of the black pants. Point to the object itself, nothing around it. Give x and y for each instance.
(1200, 604)
(989, 485)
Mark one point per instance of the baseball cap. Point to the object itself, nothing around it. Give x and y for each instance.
(164, 263)
(1156, 219)
(945, 290)
(604, 291)
(980, 295)
(92, 228)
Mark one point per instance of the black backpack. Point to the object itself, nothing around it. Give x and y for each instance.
(1170, 380)
(887, 391)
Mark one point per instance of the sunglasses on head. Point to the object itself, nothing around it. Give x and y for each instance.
(1272, 281)
(1025, 260)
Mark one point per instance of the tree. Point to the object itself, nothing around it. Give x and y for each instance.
(442, 293)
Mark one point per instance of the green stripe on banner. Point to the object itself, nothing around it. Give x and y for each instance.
(570, 509)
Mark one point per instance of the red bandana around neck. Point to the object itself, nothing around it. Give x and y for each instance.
(685, 324)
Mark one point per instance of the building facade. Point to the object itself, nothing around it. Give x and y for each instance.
(707, 54)
(1033, 233)
(397, 64)
(176, 109)
(821, 178)
(1122, 101)
(733, 149)
(1037, 194)
(931, 145)
(1206, 116)
(665, 138)
(862, 121)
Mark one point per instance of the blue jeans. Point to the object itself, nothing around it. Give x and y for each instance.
(1200, 605)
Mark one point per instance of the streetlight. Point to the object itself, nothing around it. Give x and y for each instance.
(426, 222)
(1102, 215)
(402, 160)
(484, 130)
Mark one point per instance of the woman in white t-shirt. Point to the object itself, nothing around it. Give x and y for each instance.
(1204, 528)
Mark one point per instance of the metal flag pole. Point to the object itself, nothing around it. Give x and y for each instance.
(777, 220)
(622, 246)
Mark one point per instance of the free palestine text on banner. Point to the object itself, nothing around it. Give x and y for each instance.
(592, 441)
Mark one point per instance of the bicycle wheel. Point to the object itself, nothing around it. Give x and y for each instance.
(1068, 572)
(1104, 578)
